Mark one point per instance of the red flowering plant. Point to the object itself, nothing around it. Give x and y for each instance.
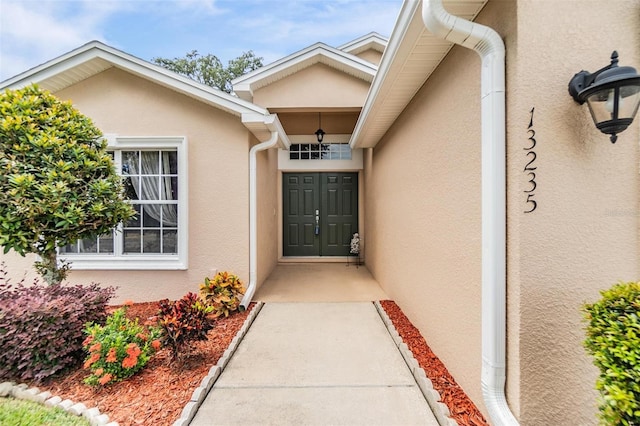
(118, 349)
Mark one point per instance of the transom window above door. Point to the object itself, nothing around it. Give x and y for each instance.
(320, 151)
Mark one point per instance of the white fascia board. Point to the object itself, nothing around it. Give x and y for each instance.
(372, 40)
(50, 68)
(245, 85)
(390, 56)
(139, 67)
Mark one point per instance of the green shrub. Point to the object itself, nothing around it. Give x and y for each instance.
(41, 326)
(613, 338)
(222, 293)
(184, 321)
(119, 349)
(58, 182)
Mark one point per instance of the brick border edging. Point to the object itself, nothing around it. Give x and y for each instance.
(200, 393)
(24, 392)
(440, 410)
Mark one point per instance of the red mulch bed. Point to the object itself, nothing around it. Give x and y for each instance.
(159, 392)
(157, 395)
(463, 410)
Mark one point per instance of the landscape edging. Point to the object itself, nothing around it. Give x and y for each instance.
(440, 410)
(200, 393)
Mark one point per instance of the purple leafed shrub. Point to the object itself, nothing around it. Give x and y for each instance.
(41, 327)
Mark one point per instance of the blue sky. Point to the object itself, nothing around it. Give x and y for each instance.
(35, 31)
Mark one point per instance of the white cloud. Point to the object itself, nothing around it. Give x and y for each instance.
(33, 32)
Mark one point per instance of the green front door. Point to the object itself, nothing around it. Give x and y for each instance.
(320, 213)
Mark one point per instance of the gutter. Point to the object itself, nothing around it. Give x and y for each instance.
(259, 125)
(488, 44)
(253, 216)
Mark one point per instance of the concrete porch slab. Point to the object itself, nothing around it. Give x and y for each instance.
(320, 282)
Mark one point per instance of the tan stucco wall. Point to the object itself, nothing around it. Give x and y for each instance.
(583, 237)
(423, 215)
(308, 89)
(423, 204)
(268, 234)
(218, 178)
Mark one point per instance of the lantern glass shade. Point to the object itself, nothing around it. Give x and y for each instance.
(613, 108)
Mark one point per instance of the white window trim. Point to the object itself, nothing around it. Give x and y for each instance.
(147, 262)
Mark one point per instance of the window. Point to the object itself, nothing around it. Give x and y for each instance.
(320, 151)
(154, 175)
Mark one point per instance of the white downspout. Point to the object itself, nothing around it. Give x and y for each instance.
(488, 44)
(253, 216)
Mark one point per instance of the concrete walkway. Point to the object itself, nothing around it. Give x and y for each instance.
(316, 364)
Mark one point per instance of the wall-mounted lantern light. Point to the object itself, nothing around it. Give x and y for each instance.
(612, 93)
(319, 132)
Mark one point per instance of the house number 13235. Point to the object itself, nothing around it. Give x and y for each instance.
(530, 167)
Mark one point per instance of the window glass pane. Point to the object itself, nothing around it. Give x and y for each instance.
(69, 248)
(151, 215)
(105, 244)
(131, 187)
(130, 162)
(170, 242)
(304, 156)
(169, 190)
(132, 241)
(345, 151)
(150, 162)
(135, 221)
(169, 215)
(151, 241)
(88, 245)
(150, 187)
(170, 162)
(294, 156)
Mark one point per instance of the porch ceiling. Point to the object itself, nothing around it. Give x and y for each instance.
(306, 122)
(411, 56)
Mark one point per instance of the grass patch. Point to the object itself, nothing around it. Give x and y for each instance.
(17, 412)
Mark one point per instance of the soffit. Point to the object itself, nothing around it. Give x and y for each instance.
(411, 56)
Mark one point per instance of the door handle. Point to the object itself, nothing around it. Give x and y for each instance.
(317, 222)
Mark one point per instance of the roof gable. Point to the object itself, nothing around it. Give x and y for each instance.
(245, 85)
(95, 57)
(371, 41)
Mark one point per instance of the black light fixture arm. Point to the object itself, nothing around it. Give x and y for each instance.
(319, 133)
(584, 79)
